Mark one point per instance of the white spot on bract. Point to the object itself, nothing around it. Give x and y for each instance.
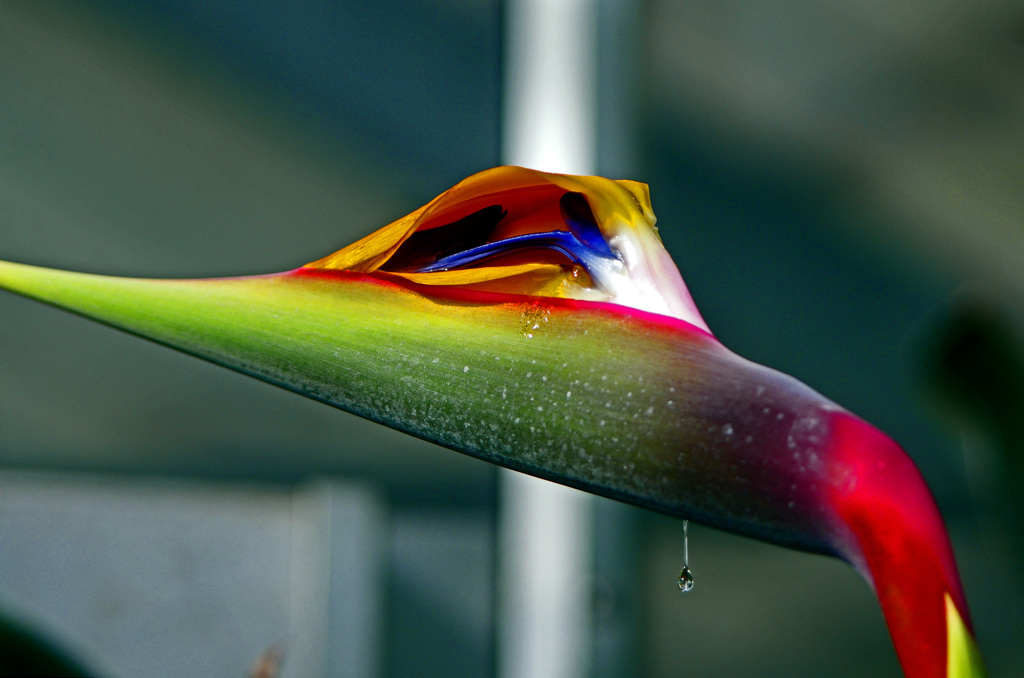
(466, 368)
(568, 394)
(727, 430)
(435, 360)
(649, 411)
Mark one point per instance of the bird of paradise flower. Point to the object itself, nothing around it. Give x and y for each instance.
(535, 321)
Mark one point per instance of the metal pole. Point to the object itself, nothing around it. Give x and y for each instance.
(546, 530)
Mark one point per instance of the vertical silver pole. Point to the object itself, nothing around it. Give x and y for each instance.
(546, 529)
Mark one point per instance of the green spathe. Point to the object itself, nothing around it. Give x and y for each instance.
(602, 397)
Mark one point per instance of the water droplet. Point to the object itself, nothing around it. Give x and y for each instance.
(685, 580)
(685, 575)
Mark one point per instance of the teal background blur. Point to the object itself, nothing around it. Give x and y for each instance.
(840, 183)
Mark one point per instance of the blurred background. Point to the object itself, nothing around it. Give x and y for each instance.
(840, 183)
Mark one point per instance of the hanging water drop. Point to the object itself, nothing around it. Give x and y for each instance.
(685, 575)
(685, 580)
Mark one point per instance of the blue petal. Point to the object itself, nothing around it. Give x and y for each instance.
(560, 241)
(583, 243)
(580, 220)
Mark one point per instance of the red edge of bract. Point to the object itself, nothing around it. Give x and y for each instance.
(461, 295)
(896, 537)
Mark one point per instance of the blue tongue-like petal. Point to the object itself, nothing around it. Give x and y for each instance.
(560, 241)
(580, 220)
(583, 243)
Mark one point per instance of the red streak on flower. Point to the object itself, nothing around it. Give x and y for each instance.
(896, 538)
(455, 294)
